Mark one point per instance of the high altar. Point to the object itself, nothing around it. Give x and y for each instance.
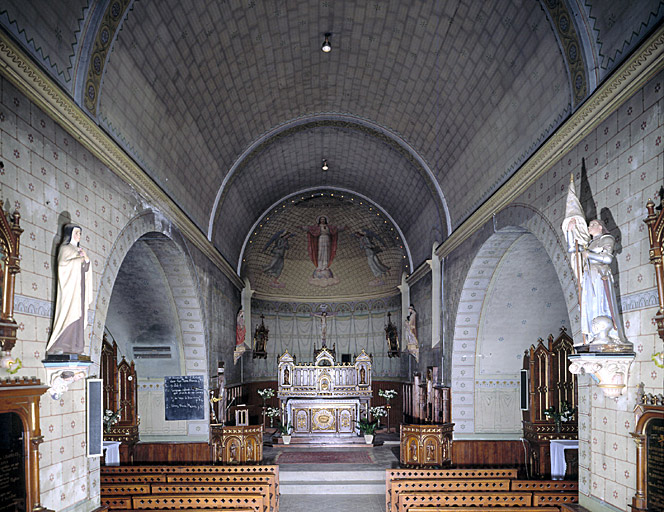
(324, 398)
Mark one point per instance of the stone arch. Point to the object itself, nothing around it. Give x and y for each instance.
(180, 276)
(509, 225)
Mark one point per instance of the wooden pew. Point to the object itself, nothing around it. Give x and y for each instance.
(199, 479)
(393, 475)
(482, 509)
(253, 502)
(545, 485)
(445, 485)
(408, 500)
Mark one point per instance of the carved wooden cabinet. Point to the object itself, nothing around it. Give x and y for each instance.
(550, 383)
(237, 444)
(426, 445)
(120, 394)
(649, 437)
(19, 455)
(10, 234)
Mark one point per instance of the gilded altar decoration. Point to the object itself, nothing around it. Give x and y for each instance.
(324, 397)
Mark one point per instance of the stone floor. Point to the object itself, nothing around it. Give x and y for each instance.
(332, 503)
(311, 487)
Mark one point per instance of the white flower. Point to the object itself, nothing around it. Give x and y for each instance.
(378, 412)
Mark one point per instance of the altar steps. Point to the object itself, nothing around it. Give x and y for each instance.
(332, 482)
(324, 441)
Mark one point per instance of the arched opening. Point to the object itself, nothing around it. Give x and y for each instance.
(153, 315)
(512, 296)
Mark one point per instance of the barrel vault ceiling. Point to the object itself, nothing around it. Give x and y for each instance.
(423, 107)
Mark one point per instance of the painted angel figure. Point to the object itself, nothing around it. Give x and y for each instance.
(592, 247)
(370, 243)
(278, 246)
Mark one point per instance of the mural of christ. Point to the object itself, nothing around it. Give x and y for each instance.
(322, 246)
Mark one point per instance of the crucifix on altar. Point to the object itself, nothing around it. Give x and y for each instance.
(323, 316)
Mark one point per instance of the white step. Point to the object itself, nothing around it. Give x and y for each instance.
(330, 476)
(332, 482)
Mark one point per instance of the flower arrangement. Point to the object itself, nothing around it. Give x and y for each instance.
(272, 412)
(110, 419)
(266, 394)
(387, 394)
(378, 412)
(566, 413)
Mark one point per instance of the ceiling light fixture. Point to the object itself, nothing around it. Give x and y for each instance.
(325, 167)
(327, 47)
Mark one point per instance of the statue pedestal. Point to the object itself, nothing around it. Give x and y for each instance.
(609, 370)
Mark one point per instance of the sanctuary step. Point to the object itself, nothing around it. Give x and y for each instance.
(312, 441)
(331, 482)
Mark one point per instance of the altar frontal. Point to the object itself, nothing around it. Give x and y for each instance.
(324, 398)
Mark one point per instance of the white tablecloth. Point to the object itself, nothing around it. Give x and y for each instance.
(558, 447)
(112, 453)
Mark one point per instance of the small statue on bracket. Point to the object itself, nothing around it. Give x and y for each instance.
(260, 340)
(392, 337)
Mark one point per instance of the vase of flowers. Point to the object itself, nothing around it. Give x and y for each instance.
(566, 413)
(272, 412)
(266, 394)
(110, 419)
(377, 413)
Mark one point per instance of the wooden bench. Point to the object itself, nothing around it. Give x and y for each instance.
(407, 500)
(544, 485)
(394, 475)
(482, 509)
(253, 502)
(121, 484)
(555, 498)
(446, 485)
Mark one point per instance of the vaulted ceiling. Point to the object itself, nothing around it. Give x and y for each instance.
(424, 107)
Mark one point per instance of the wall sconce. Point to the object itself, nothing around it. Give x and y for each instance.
(325, 166)
(327, 47)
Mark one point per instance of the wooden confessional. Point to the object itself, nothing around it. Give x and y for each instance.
(550, 384)
(120, 394)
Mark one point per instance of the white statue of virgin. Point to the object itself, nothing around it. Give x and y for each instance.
(74, 296)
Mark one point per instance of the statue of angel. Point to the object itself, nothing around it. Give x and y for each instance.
(592, 248)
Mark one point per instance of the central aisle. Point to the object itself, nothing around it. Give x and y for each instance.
(338, 486)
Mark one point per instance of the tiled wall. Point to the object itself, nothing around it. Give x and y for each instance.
(624, 164)
(50, 179)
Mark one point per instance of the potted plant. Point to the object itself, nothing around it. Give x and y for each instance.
(368, 428)
(286, 432)
(378, 413)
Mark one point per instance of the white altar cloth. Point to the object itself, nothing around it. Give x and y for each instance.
(112, 453)
(558, 447)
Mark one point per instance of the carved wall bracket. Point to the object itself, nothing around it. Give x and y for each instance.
(61, 375)
(609, 371)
